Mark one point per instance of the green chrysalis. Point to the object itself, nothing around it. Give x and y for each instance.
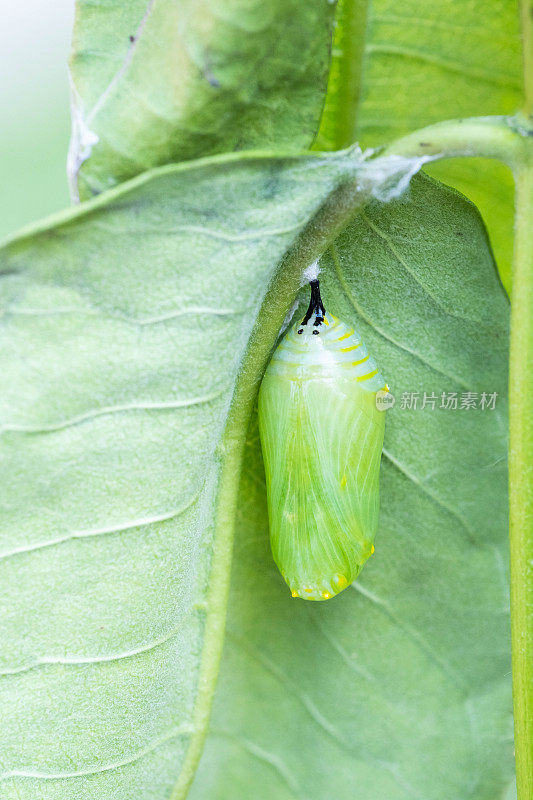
(322, 437)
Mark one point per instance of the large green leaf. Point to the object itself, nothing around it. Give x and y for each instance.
(420, 62)
(399, 688)
(123, 329)
(157, 82)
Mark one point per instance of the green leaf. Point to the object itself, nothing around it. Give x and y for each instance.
(129, 364)
(399, 688)
(155, 83)
(420, 63)
(489, 184)
(124, 325)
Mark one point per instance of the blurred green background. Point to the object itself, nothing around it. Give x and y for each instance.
(35, 116)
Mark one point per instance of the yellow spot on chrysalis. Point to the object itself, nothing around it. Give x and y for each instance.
(326, 595)
(341, 581)
(294, 594)
(353, 347)
(368, 375)
(372, 550)
(343, 482)
(361, 361)
(346, 335)
(325, 321)
(308, 589)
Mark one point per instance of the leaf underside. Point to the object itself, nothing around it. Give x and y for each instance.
(123, 330)
(122, 333)
(399, 688)
(159, 82)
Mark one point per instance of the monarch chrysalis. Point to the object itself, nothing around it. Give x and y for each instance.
(322, 436)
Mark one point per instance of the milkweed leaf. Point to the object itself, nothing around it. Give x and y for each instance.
(400, 686)
(122, 333)
(159, 82)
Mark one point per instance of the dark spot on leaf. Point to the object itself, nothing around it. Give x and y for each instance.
(271, 185)
(210, 78)
(132, 38)
(425, 144)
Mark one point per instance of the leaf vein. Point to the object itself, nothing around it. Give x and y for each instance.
(125, 63)
(414, 635)
(450, 66)
(182, 730)
(380, 331)
(102, 659)
(437, 500)
(118, 528)
(393, 249)
(105, 410)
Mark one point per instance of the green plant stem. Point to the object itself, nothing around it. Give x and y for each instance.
(521, 436)
(526, 13)
(486, 137)
(521, 480)
(339, 117)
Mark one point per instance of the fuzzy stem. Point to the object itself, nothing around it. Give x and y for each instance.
(526, 13)
(339, 117)
(521, 480)
(486, 137)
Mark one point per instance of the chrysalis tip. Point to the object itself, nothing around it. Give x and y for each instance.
(341, 581)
